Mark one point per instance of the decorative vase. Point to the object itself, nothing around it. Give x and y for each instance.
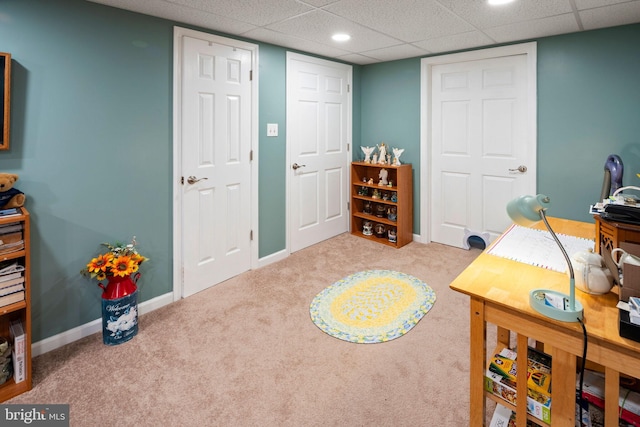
(118, 287)
(119, 309)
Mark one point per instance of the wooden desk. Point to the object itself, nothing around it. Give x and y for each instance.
(499, 290)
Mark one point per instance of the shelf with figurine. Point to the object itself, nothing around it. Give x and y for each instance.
(382, 197)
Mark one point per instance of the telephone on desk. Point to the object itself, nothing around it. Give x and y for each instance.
(621, 213)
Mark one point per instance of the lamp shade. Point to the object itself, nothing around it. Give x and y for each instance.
(525, 210)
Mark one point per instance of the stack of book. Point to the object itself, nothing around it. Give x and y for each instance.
(11, 282)
(11, 238)
(500, 380)
(10, 212)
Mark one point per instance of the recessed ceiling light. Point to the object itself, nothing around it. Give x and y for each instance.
(499, 2)
(341, 37)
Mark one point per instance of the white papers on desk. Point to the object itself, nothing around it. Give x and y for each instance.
(537, 247)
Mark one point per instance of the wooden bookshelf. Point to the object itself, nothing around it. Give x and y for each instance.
(19, 310)
(362, 193)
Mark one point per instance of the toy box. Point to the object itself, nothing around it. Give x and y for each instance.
(499, 380)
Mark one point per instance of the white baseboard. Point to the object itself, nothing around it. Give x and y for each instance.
(274, 257)
(92, 327)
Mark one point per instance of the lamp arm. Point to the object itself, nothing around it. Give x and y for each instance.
(572, 287)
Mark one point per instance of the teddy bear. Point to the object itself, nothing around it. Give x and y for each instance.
(10, 197)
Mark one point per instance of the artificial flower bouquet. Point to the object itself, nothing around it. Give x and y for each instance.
(119, 260)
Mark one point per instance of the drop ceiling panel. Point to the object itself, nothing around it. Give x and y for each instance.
(259, 13)
(396, 52)
(385, 30)
(537, 28)
(319, 26)
(285, 40)
(619, 14)
(407, 20)
(456, 42)
(477, 13)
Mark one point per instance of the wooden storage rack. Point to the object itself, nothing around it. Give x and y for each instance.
(20, 310)
(401, 177)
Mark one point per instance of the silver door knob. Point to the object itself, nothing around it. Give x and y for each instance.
(521, 169)
(296, 166)
(192, 179)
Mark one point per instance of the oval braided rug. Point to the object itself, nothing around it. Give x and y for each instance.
(372, 306)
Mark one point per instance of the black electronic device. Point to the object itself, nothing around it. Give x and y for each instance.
(621, 213)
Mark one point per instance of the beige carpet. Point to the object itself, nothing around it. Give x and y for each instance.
(245, 353)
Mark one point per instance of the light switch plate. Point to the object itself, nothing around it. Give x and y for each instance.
(272, 129)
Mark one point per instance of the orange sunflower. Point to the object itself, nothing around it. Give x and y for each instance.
(124, 266)
(99, 265)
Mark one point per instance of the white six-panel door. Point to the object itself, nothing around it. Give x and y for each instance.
(318, 136)
(216, 132)
(482, 145)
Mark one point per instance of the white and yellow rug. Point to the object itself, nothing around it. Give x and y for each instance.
(372, 306)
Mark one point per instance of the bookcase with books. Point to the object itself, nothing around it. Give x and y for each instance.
(15, 303)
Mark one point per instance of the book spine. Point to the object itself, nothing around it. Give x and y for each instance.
(18, 353)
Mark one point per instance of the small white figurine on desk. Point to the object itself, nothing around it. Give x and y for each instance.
(397, 152)
(382, 153)
(383, 177)
(367, 153)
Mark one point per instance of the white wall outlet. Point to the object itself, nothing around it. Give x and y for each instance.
(272, 129)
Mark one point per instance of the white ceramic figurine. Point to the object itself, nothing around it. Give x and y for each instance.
(367, 153)
(382, 153)
(383, 177)
(397, 152)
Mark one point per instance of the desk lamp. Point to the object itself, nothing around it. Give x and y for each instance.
(528, 210)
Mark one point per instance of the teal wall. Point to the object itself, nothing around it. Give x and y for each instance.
(91, 139)
(272, 150)
(92, 142)
(588, 107)
(92, 136)
(390, 112)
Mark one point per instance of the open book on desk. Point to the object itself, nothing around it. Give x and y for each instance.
(537, 247)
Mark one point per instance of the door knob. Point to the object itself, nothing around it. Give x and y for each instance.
(521, 169)
(192, 179)
(296, 166)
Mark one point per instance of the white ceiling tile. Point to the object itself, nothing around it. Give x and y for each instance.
(284, 40)
(456, 42)
(589, 4)
(173, 12)
(536, 28)
(356, 58)
(318, 3)
(620, 14)
(388, 28)
(482, 15)
(396, 52)
(258, 13)
(318, 26)
(407, 20)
